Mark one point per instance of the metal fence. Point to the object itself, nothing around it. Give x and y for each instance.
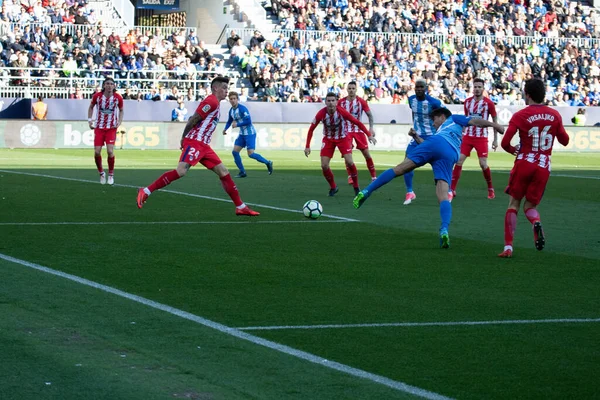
(58, 83)
(436, 40)
(72, 29)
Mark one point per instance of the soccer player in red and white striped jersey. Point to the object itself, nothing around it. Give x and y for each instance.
(537, 126)
(195, 146)
(109, 115)
(477, 106)
(356, 106)
(335, 135)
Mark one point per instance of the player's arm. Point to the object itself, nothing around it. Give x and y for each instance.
(228, 124)
(348, 117)
(193, 121)
(413, 133)
(508, 135)
(492, 110)
(365, 106)
(313, 125)
(121, 108)
(91, 111)
(561, 135)
(482, 123)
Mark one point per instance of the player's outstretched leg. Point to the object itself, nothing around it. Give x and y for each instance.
(384, 178)
(410, 194)
(164, 180)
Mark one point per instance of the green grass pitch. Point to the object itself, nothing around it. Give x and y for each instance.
(367, 289)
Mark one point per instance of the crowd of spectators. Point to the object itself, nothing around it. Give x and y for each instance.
(303, 67)
(150, 65)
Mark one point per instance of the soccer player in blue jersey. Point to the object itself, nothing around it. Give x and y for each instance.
(239, 117)
(421, 105)
(441, 151)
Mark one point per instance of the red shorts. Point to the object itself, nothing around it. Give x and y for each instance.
(328, 146)
(101, 136)
(527, 180)
(195, 152)
(480, 144)
(361, 140)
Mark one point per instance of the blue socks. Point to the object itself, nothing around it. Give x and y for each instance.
(259, 158)
(381, 180)
(238, 161)
(445, 214)
(408, 178)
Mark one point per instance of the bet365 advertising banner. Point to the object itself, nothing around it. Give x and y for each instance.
(149, 135)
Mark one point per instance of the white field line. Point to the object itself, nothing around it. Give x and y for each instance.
(417, 324)
(494, 171)
(397, 385)
(248, 222)
(177, 192)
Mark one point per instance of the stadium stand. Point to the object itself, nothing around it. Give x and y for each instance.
(66, 51)
(386, 45)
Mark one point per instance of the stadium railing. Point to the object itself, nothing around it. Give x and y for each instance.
(56, 82)
(434, 39)
(72, 29)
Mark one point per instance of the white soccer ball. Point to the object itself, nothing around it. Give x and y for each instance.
(312, 209)
(30, 135)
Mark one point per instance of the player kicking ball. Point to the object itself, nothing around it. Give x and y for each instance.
(537, 126)
(441, 151)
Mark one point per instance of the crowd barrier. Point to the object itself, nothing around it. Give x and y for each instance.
(273, 136)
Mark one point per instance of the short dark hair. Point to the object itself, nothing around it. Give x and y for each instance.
(352, 83)
(536, 89)
(441, 111)
(479, 80)
(219, 79)
(331, 94)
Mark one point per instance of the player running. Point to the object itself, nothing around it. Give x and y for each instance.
(195, 149)
(356, 106)
(441, 151)
(477, 106)
(421, 105)
(334, 135)
(106, 103)
(239, 117)
(537, 125)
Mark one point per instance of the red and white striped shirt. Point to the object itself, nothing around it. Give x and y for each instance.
(537, 125)
(479, 109)
(333, 128)
(355, 108)
(106, 110)
(209, 110)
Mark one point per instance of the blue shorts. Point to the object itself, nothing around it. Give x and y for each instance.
(413, 145)
(247, 141)
(437, 152)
